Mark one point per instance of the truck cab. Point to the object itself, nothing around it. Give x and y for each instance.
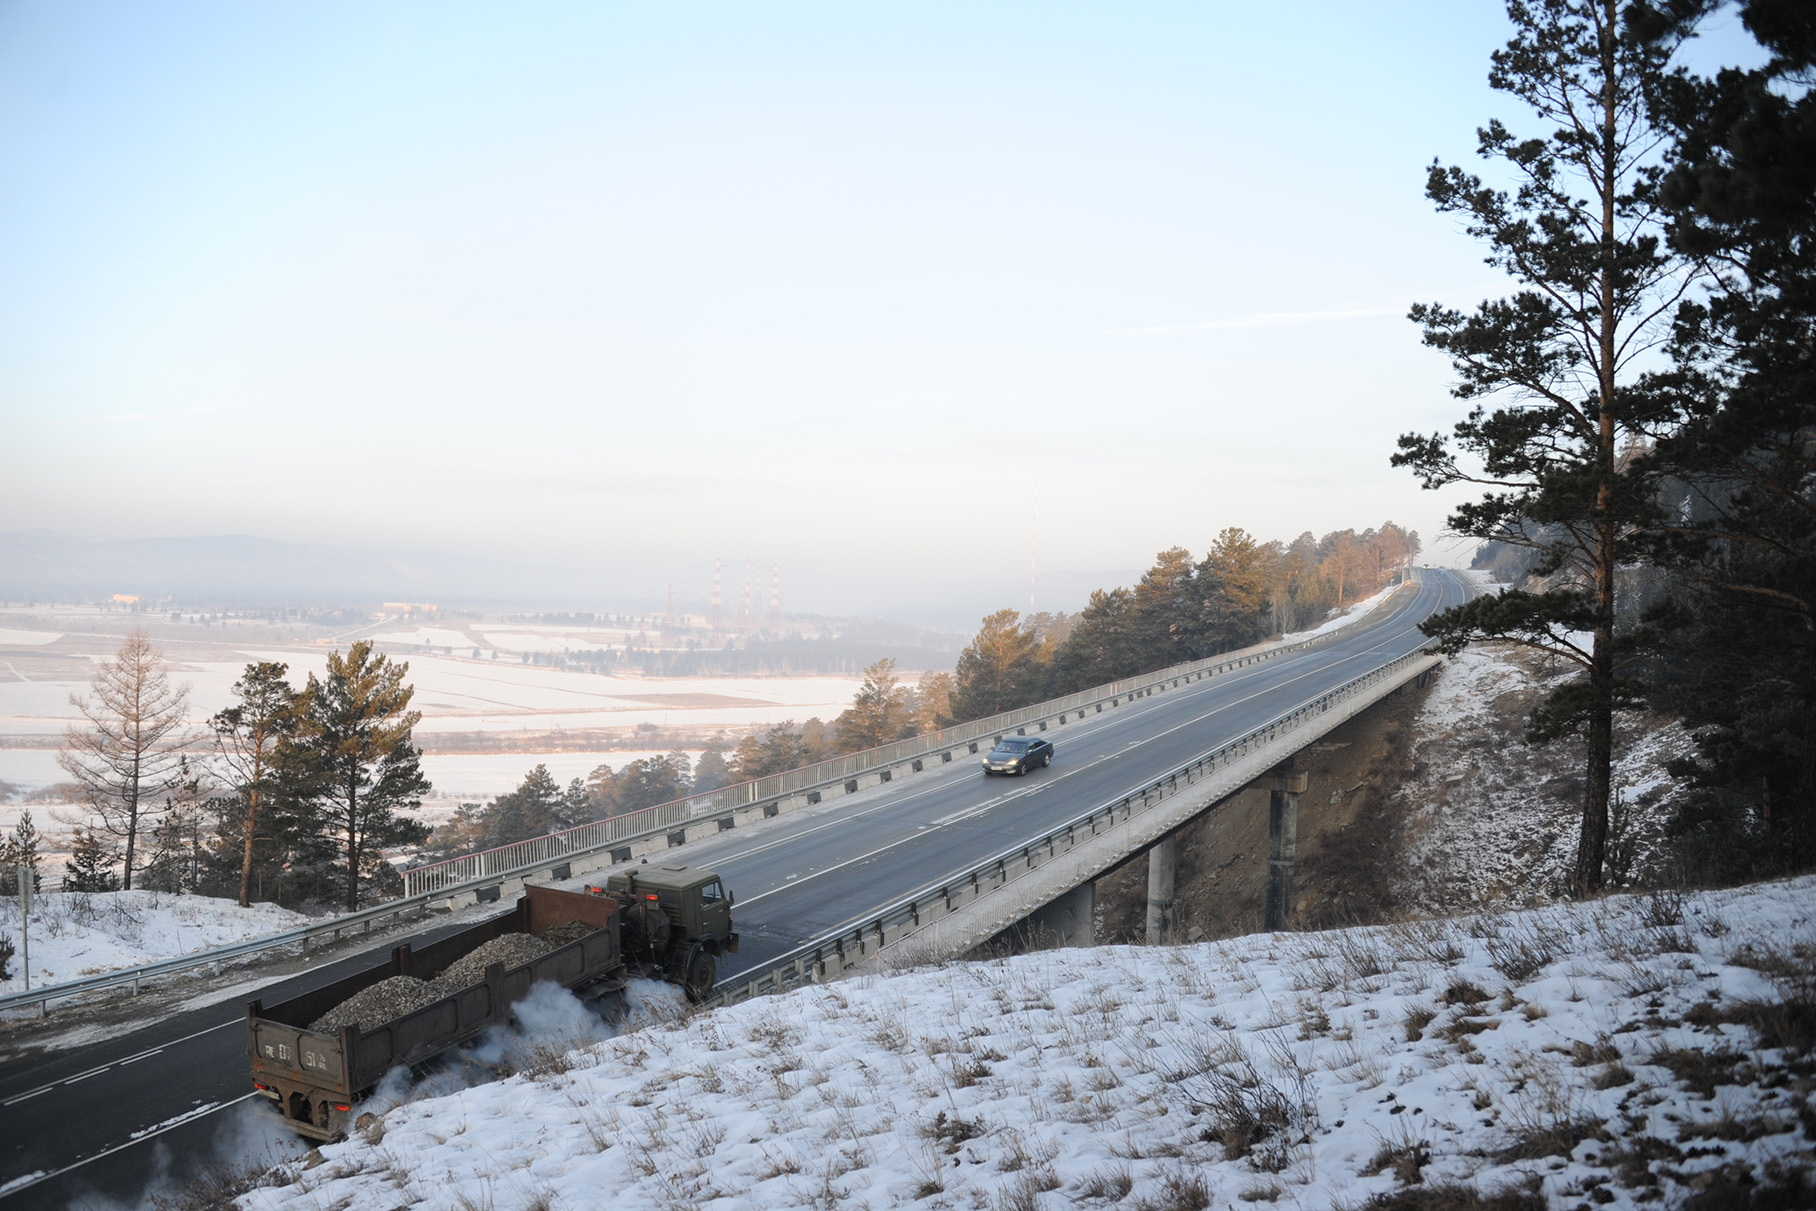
(677, 922)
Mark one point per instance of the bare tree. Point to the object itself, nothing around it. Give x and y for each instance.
(131, 750)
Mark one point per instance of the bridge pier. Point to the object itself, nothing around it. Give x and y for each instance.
(1161, 861)
(1282, 844)
(1069, 920)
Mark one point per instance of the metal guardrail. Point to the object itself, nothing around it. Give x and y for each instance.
(832, 952)
(541, 852)
(520, 856)
(302, 935)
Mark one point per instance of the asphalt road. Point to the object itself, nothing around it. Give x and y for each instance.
(102, 1122)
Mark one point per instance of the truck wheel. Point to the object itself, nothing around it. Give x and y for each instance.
(699, 974)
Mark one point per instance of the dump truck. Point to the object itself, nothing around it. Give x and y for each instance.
(316, 1075)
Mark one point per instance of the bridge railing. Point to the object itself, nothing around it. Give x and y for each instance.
(827, 956)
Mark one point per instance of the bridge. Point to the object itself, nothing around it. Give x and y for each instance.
(907, 848)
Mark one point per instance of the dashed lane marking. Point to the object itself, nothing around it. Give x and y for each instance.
(153, 1133)
(16, 1098)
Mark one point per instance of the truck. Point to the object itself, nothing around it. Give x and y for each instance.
(669, 922)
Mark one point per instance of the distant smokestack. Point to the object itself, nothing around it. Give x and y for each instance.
(744, 603)
(668, 615)
(717, 621)
(775, 600)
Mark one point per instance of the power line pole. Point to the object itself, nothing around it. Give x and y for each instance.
(1034, 550)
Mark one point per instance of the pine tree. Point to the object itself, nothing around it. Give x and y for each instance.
(711, 771)
(1550, 372)
(178, 847)
(1739, 535)
(90, 864)
(879, 712)
(357, 766)
(19, 856)
(999, 670)
(247, 737)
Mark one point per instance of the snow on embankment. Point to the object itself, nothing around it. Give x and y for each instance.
(1623, 1053)
(78, 934)
(1494, 821)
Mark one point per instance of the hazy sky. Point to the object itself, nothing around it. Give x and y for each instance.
(842, 286)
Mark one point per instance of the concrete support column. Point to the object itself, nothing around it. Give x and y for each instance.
(1282, 844)
(1069, 920)
(1160, 892)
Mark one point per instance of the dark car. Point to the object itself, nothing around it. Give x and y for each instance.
(1017, 755)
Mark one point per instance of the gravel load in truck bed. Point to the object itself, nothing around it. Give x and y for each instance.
(511, 949)
(568, 931)
(373, 1007)
(392, 998)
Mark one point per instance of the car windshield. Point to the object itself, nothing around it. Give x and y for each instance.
(1014, 746)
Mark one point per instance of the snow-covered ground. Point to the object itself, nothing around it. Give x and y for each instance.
(1349, 617)
(73, 935)
(14, 637)
(1623, 1053)
(1495, 821)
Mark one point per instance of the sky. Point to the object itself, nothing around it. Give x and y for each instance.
(909, 299)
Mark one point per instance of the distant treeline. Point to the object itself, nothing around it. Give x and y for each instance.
(1182, 609)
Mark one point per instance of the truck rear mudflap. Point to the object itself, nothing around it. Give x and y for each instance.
(321, 1114)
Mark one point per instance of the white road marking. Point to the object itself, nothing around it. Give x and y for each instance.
(151, 1133)
(82, 1076)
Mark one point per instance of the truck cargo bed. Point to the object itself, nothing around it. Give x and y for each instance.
(315, 1078)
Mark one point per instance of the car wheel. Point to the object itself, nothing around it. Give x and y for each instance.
(1046, 759)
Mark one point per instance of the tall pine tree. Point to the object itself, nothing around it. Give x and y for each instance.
(1549, 371)
(352, 744)
(247, 735)
(1739, 534)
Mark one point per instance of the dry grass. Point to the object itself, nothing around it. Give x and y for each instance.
(1457, 1198)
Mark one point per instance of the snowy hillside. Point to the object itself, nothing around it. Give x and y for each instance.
(73, 934)
(1492, 821)
(1623, 1053)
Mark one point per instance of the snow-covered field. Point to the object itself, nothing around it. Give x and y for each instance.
(75, 935)
(1626, 1053)
(41, 667)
